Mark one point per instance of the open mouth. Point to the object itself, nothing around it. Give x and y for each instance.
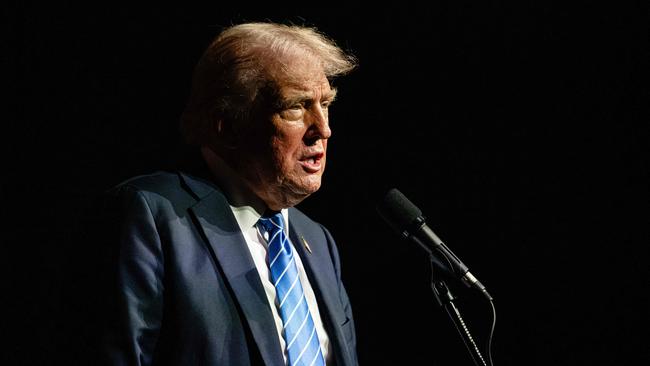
(312, 163)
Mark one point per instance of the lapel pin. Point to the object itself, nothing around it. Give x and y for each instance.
(305, 243)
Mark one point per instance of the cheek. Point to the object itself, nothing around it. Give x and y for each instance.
(284, 156)
(289, 145)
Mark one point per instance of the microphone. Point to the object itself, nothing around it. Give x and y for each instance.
(405, 218)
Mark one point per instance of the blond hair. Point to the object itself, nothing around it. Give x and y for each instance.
(231, 72)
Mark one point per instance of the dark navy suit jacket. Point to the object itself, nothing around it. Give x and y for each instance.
(184, 289)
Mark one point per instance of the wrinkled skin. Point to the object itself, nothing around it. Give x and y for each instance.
(281, 157)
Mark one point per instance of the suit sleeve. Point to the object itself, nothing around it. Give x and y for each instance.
(135, 280)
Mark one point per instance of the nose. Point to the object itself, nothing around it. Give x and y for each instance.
(318, 127)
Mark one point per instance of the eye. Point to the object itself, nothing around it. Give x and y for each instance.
(292, 112)
(326, 104)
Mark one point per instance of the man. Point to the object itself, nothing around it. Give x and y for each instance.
(211, 264)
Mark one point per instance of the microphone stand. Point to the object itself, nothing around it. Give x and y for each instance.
(446, 299)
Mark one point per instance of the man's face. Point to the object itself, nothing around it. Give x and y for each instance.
(286, 159)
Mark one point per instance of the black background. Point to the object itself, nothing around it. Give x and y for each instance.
(519, 128)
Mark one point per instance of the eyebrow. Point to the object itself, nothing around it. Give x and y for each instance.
(307, 97)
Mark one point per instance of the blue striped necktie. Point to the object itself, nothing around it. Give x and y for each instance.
(299, 332)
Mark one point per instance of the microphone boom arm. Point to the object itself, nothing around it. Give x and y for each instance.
(455, 264)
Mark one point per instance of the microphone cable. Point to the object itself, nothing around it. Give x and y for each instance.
(463, 326)
(494, 323)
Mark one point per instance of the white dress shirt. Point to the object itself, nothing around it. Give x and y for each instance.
(247, 218)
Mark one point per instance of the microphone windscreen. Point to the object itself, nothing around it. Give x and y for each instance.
(398, 211)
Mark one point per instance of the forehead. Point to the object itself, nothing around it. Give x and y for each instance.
(316, 89)
(299, 77)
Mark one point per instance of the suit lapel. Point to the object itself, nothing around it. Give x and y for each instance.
(231, 253)
(318, 264)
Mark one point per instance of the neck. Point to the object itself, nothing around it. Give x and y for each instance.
(235, 188)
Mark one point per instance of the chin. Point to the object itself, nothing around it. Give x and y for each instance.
(311, 185)
(295, 193)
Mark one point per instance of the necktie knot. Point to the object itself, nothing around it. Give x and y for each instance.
(272, 223)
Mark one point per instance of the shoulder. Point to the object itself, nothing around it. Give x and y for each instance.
(298, 218)
(157, 182)
(306, 224)
(162, 188)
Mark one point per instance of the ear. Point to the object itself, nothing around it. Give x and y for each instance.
(224, 134)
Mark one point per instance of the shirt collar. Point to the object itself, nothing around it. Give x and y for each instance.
(247, 216)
